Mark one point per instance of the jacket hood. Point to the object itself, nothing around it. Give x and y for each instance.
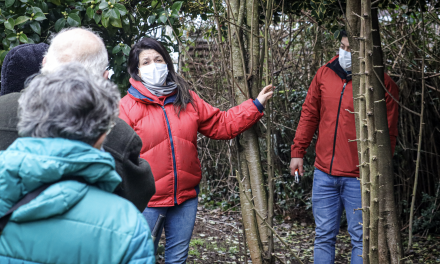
(20, 63)
(31, 162)
(334, 65)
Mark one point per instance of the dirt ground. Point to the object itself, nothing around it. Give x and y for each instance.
(218, 238)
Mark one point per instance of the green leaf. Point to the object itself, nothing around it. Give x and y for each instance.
(163, 18)
(111, 13)
(60, 24)
(116, 49)
(177, 6)
(90, 12)
(10, 24)
(36, 27)
(105, 21)
(97, 18)
(3, 54)
(126, 49)
(39, 16)
(119, 60)
(23, 38)
(56, 2)
(122, 10)
(74, 20)
(6, 43)
(43, 7)
(151, 19)
(21, 19)
(9, 3)
(36, 9)
(116, 22)
(24, 1)
(336, 34)
(11, 37)
(103, 5)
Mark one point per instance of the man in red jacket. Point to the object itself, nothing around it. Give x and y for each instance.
(327, 108)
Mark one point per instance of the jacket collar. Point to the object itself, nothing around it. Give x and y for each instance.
(336, 67)
(140, 93)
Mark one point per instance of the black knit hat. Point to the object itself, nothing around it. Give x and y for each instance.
(20, 63)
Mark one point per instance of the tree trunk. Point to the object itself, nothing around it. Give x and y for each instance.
(252, 18)
(390, 247)
(372, 144)
(248, 214)
(356, 29)
(250, 138)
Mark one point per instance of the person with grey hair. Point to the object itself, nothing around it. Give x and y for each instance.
(56, 183)
(83, 46)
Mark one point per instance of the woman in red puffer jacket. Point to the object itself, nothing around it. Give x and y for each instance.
(167, 116)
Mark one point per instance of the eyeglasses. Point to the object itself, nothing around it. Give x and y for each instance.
(112, 124)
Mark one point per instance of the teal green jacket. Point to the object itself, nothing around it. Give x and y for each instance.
(70, 222)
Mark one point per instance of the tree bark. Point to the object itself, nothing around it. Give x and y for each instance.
(250, 138)
(248, 214)
(372, 144)
(390, 246)
(356, 31)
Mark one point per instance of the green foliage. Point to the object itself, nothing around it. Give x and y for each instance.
(120, 23)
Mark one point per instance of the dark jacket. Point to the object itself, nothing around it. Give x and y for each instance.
(327, 107)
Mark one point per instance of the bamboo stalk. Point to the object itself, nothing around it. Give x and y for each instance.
(419, 146)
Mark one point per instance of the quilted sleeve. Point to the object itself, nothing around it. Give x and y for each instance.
(141, 248)
(218, 124)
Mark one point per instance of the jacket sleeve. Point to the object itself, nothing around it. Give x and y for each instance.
(141, 248)
(392, 110)
(309, 119)
(137, 184)
(217, 124)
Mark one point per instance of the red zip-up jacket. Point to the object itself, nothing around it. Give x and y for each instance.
(329, 97)
(169, 141)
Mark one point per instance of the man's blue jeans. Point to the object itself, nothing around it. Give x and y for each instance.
(179, 224)
(331, 194)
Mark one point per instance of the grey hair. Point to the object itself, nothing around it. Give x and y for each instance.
(69, 103)
(80, 45)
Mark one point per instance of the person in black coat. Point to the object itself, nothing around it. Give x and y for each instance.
(122, 143)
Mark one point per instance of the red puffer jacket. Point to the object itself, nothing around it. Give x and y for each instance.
(329, 97)
(169, 142)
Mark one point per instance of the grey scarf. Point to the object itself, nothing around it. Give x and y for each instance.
(161, 90)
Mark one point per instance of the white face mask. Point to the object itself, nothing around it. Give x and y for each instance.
(154, 74)
(345, 59)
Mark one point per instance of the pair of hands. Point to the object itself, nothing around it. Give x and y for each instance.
(295, 163)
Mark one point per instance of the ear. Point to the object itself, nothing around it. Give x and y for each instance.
(99, 142)
(44, 61)
(105, 75)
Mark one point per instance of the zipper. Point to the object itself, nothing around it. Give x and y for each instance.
(172, 152)
(336, 128)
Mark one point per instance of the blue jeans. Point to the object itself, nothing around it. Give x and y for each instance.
(331, 194)
(179, 224)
